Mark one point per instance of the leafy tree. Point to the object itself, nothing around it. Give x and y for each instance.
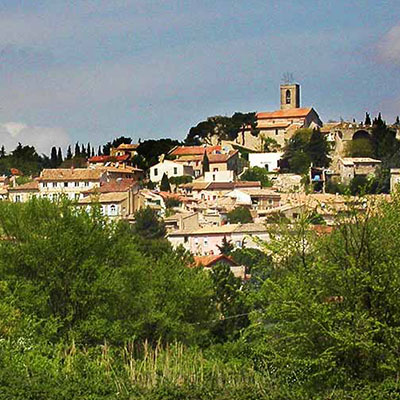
(360, 148)
(240, 215)
(226, 246)
(257, 174)
(224, 128)
(318, 149)
(180, 180)
(115, 143)
(148, 225)
(164, 185)
(384, 139)
(150, 150)
(270, 144)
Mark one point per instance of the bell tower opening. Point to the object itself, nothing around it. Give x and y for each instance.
(290, 96)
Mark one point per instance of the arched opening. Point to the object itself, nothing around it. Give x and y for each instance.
(361, 135)
(288, 96)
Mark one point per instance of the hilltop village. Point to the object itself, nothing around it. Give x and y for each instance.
(232, 176)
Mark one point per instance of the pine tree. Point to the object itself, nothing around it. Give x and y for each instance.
(53, 157)
(226, 246)
(59, 157)
(165, 186)
(367, 119)
(69, 153)
(206, 163)
(77, 150)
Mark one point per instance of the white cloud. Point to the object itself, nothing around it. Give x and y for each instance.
(42, 137)
(389, 47)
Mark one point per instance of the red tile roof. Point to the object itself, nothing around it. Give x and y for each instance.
(117, 185)
(208, 261)
(193, 150)
(103, 159)
(291, 113)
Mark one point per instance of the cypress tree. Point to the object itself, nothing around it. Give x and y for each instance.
(88, 150)
(53, 157)
(2, 151)
(83, 151)
(59, 157)
(206, 163)
(99, 153)
(318, 149)
(77, 150)
(165, 186)
(367, 119)
(69, 153)
(397, 121)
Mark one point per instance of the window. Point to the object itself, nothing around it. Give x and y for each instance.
(205, 242)
(288, 97)
(76, 196)
(44, 184)
(155, 171)
(54, 184)
(86, 183)
(213, 177)
(215, 169)
(185, 239)
(276, 131)
(65, 184)
(113, 209)
(76, 184)
(18, 198)
(175, 170)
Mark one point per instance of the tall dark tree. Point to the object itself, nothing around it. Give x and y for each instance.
(69, 153)
(88, 150)
(318, 149)
(59, 157)
(115, 143)
(77, 150)
(83, 151)
(53, 157)
(206, 163)
(164, 185)
(384, 140)
(367, 119)
(2, 151)
(226, 247)
(99, 153)
(397, 122)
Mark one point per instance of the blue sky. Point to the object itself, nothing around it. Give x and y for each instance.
(92, 70)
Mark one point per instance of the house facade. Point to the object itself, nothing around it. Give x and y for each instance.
(171, 169)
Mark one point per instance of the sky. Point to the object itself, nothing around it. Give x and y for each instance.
(93, 70)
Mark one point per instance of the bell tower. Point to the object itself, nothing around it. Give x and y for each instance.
(290, 96)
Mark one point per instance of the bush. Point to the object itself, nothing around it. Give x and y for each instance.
(240, 215)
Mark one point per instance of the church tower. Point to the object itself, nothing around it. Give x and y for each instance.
(290, 96)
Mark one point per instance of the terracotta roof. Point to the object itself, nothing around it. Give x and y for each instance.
(220, 158)
(34, 185)
(15, 172)
(115, 185)
(189, 158)
(208, 261)
(193, 150)
(122, 170)
(103, 159)
(127, 146)
(72, 174)
(291, 113)
(113, 197)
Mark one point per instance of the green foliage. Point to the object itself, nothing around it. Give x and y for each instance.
(172, 202)
(360, 148)
(164, 185)
(150, 150)
(384, 139)
(306, 146)
(367, 119)
(270, 144)
(115, 143)
(206, 163)
(148, 225)
(225, 128)
(257, 174)
(240, 215)
(25, 159)
(180, 180)
(226, 247)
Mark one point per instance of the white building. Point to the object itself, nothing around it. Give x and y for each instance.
(219, 176)
(269, 161)
(170, 168)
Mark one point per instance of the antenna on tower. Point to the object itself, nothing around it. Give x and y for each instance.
(288, 78)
